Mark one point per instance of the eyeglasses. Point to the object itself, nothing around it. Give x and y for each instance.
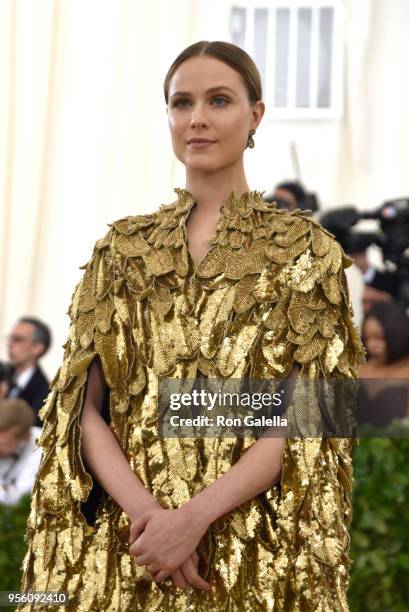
(17, 339)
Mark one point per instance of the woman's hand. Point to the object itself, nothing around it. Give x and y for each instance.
(164, 540)
(187, 574)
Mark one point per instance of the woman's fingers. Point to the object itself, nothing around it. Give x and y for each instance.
(179, 579)
(183, 576)
(140, 559)
(162, 575)
(136, 528)
(191, 575)
(138, 525)
(195, 558)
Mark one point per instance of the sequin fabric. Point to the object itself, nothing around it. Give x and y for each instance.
(270, 292)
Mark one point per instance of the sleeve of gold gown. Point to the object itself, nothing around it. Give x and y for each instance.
(312, 325)
(101, 324)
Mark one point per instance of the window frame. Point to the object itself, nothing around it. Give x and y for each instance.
(292, 112)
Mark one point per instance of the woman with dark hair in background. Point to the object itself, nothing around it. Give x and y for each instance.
(384, 390)
(216, 284)
(385, 332)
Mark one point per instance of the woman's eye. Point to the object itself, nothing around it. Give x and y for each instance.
(220, 98)
(181, 102)
(177, 103)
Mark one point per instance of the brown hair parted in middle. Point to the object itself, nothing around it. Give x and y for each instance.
(230, 54)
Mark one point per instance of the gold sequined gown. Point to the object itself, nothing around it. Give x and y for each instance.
(270, 292)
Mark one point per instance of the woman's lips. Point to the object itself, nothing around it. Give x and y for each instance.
(200, 145)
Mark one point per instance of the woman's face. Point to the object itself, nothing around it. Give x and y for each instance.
(208, 99)
(374, 340)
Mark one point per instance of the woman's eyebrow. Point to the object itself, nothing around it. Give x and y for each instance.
(187, 93)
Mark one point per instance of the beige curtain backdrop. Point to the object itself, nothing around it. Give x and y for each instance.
(84, 137)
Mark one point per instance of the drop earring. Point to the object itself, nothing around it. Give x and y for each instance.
(250, 141)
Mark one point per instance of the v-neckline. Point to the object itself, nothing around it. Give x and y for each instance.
(210, 240)
(232, 198)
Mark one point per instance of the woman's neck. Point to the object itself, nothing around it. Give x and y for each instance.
(378, 368)
(212, 189)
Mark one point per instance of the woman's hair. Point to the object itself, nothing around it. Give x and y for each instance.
(16, 413)
(228, 53)
(395, 324)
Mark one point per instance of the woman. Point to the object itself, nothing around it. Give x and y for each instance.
(384, 391)
(385, 332)
(215, 284)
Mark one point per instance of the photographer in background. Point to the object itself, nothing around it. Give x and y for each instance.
(289, 195)
(29, 340)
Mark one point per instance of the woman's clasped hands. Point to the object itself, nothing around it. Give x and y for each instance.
(165, 541)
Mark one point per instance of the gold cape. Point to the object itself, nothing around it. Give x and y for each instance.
(270, 292)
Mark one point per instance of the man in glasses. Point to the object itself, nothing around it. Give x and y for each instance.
(29, 340)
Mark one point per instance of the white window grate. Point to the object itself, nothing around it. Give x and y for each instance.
(297, 46)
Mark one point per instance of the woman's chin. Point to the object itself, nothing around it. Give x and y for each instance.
(376, 359)
(202, 165)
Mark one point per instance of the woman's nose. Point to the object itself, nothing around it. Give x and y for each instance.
(372, 344)
(198, 115)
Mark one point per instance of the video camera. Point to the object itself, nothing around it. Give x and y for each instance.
(392, 237)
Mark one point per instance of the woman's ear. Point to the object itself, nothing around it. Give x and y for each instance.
(258, 112)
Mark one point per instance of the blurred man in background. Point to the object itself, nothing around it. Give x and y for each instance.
(29, 340)
(19, 459)
(290, 194)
